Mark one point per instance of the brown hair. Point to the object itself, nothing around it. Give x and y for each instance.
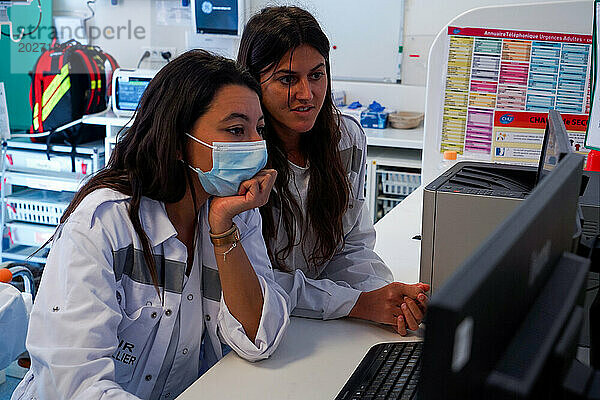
(146, 161)
(266, 38)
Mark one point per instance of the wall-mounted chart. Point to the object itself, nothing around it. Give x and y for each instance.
(501, 80)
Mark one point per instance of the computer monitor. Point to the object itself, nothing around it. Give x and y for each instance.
(128, 87)
(492, 328)
(219, 17)
(555, 145)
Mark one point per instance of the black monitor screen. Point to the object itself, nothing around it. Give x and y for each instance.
(555, 145)
(217, 16)
(473, 318)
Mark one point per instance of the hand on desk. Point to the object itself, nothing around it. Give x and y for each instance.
(397, 304)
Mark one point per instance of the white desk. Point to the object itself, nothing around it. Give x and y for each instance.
(316, 358)
(313, 361)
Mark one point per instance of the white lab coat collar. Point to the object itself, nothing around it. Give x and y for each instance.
(153, 216)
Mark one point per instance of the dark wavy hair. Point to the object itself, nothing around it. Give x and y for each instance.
(266, 38)
(146, 161)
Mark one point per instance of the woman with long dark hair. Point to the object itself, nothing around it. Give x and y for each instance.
(158, 267)
(317, 229)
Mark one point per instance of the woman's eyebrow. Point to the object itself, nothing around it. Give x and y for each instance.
(289, 71)
(284, 71)
(235, 116)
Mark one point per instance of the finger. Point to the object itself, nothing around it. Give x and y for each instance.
(414, 309)
(410, 319)
(245, 187)
(413, 291)
(253, 190)
(401, 326)
(424, 286)
(423, 300)
(267, 181)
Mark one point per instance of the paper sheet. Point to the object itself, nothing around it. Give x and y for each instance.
(501, 81)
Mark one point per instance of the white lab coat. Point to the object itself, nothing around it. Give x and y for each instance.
(98, 329)
(13, 324)
(331, 290)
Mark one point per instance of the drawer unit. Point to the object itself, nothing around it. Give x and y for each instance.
(23, 155)
(34, 235)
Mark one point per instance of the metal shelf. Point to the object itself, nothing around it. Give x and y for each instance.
(108, 118)
(47, 181)
(394, 157)
(91, 148)
(22, 253)
(39, 176)
(395, 138)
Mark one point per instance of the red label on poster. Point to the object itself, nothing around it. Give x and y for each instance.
(532, 120)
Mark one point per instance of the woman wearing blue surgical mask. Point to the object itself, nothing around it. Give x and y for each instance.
(158, 267)
(318, 232)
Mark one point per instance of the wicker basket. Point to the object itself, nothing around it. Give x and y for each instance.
(405, 119)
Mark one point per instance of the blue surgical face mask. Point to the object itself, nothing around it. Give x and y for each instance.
(233, 163)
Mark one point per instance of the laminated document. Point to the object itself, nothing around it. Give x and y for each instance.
(4, 124)
(500, 84)
(592, 140)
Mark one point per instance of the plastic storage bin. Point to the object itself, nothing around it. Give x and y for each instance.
(24, 155)
(400, 183)
(39, 206)
(388, 204)
(29, 234)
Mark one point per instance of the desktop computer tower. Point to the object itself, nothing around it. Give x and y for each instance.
(461, 208)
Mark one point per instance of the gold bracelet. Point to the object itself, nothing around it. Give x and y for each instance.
(222, 235)
(232, 235)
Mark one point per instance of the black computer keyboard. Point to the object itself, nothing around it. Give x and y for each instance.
(388, 371)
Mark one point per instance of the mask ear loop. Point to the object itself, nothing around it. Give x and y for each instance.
(194, 138)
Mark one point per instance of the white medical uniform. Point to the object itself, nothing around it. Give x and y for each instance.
(99, 330)
(13, 324)
(331, 290)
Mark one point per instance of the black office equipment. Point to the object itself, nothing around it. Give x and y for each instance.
(506, 324)
(388, 371)
(555, 146)
(465, 204)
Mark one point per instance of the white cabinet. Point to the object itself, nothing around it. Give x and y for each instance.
(38, 183)
(393, 167)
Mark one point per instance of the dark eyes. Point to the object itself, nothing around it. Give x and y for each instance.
(286, 79)
(239, 131)
(291, 79)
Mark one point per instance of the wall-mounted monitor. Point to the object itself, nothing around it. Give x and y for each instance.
(218, 17)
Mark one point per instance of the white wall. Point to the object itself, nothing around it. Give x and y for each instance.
(127, 50)
(423, 20)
